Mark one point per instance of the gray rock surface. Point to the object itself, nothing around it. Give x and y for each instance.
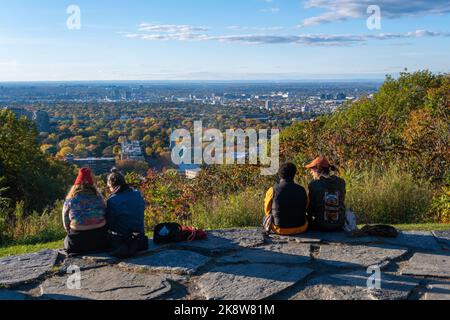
(243, 264)
(353, 286)
(345, 256)
(170, 261)
(100, 258)
(438, 291)
(308, 238)
(338, 237)
(290, 253)
(107, 283)
(21, 269)
(422, 240)
(248, 282)
(429, 265)
(443, 237)
(10, 295)
(226, 240)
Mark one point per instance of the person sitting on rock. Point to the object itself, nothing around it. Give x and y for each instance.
(285, 204)
(125, 215)
(326, 209)
(84, 217)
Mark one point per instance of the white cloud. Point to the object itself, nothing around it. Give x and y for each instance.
(340, 10)
(8, 64)
(270, 10)
(303, 39)
(256, 28)
(170, 28)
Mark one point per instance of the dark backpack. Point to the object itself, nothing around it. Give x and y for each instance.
(168, 233)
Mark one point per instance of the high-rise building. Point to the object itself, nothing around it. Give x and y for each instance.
(42, 121)
(39, 117)
(268, 105)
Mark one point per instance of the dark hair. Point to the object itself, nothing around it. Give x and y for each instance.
(287, 171)
(116, 179)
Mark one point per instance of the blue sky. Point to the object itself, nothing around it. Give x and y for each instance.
(221, 39)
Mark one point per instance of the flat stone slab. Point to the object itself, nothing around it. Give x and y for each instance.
(108, 258)
(410, 239)
(249, 281)
(101, 258)
(438, 291)
(170, 261)
(9, 295)
(338, 237)
(443, 238)
(345, 256)
(353, 286)
(290, 253)
(22, 269)
(275, 238)
(106, 283)
(429, 265)
(225, 240)
(423, 240)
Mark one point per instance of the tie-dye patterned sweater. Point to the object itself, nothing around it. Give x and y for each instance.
(84, 212)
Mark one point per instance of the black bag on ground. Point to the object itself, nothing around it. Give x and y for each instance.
(385, 231)
(168, 233)
(127, 247)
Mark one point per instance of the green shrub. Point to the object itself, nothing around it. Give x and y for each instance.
(24, 228)
(440, 206)
(388, 196)
(245, 209)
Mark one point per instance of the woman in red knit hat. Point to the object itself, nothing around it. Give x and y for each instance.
(84, 217)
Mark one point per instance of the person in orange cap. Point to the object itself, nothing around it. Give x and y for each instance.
(326, 208)
(84, 217)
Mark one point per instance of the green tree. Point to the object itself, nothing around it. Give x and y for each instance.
(29, 176)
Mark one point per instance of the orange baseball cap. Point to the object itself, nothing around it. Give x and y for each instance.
(319, 162)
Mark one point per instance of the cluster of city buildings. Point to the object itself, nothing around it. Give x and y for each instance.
(132, 150)
(97, 165)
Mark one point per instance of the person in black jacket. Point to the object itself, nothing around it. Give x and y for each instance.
(326, 208)
(286, 204)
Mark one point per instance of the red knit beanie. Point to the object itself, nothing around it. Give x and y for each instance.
(84, 177)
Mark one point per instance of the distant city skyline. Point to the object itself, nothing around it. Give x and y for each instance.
(221, 40)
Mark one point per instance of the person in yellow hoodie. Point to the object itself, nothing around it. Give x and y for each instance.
(285, 204)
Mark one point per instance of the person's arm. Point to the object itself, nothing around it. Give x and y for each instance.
(309, 199)
(309, 213)
(268, 202)
(65, 215)
(344, 193)
(109, 213)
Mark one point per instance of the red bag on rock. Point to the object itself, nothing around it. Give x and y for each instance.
(191, 234)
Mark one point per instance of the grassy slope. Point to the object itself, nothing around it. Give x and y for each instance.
(24, 249)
